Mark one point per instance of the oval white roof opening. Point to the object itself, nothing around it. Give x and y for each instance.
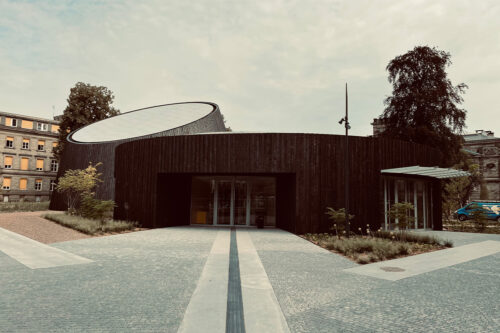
(142, 122)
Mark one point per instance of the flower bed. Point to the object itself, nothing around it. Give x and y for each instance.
(373, 248)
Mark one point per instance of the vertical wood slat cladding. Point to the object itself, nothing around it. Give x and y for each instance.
(314, 163)
(78, 155)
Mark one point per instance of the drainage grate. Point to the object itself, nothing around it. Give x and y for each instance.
(392, 269)
(235, 322)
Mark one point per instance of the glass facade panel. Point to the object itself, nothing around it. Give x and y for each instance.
(416, 192)
(390, 201)
(224, 189)
(240, 202)
(263, 200)
(202, 205)
(420, 205)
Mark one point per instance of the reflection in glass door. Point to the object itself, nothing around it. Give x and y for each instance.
(240, 202)
(223, 199)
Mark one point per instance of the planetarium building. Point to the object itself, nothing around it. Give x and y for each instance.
(176, 164)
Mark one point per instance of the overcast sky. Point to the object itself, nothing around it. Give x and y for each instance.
(269, 65)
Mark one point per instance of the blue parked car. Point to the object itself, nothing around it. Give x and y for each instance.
(490, 208)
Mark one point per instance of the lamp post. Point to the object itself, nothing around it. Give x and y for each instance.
(346, 162)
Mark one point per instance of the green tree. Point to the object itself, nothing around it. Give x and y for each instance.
(86, 104)
(457, 191)
(338, 218)
(423, 106)
(74, 184)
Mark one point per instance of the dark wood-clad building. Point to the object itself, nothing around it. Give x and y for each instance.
(195, 173)
(233, 178)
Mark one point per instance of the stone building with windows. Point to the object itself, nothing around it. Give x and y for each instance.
(28, 169)
(484, 147)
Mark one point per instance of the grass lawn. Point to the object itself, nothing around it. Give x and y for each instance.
(23, 206)
(90, 227)
(489, 227)
(378, 247)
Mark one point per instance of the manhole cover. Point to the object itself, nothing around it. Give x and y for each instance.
(392, 269)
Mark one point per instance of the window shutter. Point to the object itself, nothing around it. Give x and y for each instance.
(23, 182)
(6, 182)
(24, 163)
(39, 164)
(27, 124)
(7, 160)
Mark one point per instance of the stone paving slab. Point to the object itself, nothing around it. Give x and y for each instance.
(34, 254)
(207, 307)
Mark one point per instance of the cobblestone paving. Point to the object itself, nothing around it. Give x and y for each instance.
(143, 282)
(139, 282)
(317, 296)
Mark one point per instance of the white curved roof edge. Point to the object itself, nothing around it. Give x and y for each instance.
(142, 122)
(431, 172)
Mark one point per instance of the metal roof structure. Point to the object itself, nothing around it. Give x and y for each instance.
(148, 121)
(429, 172)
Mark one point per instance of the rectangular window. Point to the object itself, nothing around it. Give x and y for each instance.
(10, 122)
(7, 162)
(52, 185)
(26, 144)
(54, 144)
(38, 185)
(6, 183)
(54, 165)
(41, 126)
(39, 165)
(41, 145)
(24, 163)
(9, 142)
(54, 129)
(23, 183)
(26, 124)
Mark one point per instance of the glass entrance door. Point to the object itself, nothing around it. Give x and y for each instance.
(233, 200)
(224, 202)
(240, 202)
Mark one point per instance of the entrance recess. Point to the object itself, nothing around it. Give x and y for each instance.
(233, 200)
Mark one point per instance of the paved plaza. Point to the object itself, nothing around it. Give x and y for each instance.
(195, 279)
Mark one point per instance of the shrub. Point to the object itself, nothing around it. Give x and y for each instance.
(23, 206)
(93, 208)
(338, 217)
(90, 226)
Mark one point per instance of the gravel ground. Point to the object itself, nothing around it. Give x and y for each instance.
(32, 225)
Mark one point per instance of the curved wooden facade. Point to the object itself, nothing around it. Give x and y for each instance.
(153, 176)
(78, 155)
